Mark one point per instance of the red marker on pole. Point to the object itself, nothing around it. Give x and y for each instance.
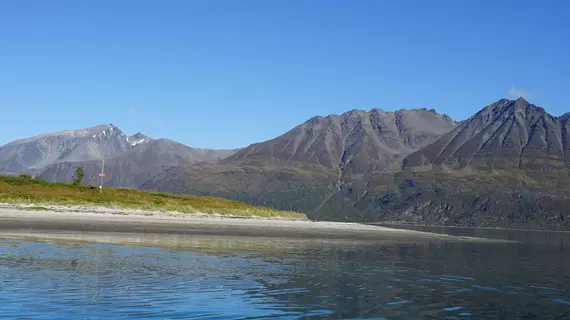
(102, 174)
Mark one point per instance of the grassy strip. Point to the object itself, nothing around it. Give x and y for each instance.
(37, 208)
(24, 189)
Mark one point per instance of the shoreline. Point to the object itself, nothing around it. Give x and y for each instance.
(20, 221)
(404, 225)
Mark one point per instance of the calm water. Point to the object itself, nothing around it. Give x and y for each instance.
(225, 277)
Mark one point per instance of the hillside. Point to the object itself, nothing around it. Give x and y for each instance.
(24, 189)
(509, 135)
(313, 162)
(506, 166)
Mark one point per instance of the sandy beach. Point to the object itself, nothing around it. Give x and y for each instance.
(98, 219)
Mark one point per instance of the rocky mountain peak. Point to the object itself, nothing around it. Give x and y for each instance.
(34, 153)
(104, 132)
(356, 141)
(506, 104)
(138, 138)
(504, 134)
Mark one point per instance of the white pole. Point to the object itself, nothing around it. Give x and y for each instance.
(102, 174)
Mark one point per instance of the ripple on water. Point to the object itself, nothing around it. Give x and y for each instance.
(452, 308)
(310, 279)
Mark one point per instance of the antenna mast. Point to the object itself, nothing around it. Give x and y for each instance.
(102, 174)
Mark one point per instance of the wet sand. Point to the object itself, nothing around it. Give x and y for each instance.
(143, 222)
(19, 221)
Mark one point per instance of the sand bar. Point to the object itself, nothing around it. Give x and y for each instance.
(86, 219)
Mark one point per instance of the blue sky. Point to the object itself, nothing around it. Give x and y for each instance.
(225, 74)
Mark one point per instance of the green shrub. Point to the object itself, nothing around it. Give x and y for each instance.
(78, 176)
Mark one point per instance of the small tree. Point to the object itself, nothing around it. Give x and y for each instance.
(78, 176)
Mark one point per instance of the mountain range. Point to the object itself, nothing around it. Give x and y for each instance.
(129, 160)
(506, 166)
(310, 167)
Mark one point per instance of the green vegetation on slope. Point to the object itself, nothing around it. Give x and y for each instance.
(24, 189)
(270, 182)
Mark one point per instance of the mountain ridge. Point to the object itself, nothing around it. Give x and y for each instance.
(34, 153)
(310, 163)
(54, 156)
(508, 165)
(505, 166)
(508, 130)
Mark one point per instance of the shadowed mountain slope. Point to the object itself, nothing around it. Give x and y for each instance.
(506, 166)
(357, 140)
(305, 167)
(507, 134)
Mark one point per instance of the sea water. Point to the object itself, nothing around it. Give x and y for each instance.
(252, 278)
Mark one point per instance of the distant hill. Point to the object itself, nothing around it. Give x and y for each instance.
(130, 161)
(35, 153)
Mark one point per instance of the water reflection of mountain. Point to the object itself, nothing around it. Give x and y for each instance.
(544, 240)
(235, 277)
(422, 280)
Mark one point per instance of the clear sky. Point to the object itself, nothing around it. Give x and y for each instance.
(225, 74)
